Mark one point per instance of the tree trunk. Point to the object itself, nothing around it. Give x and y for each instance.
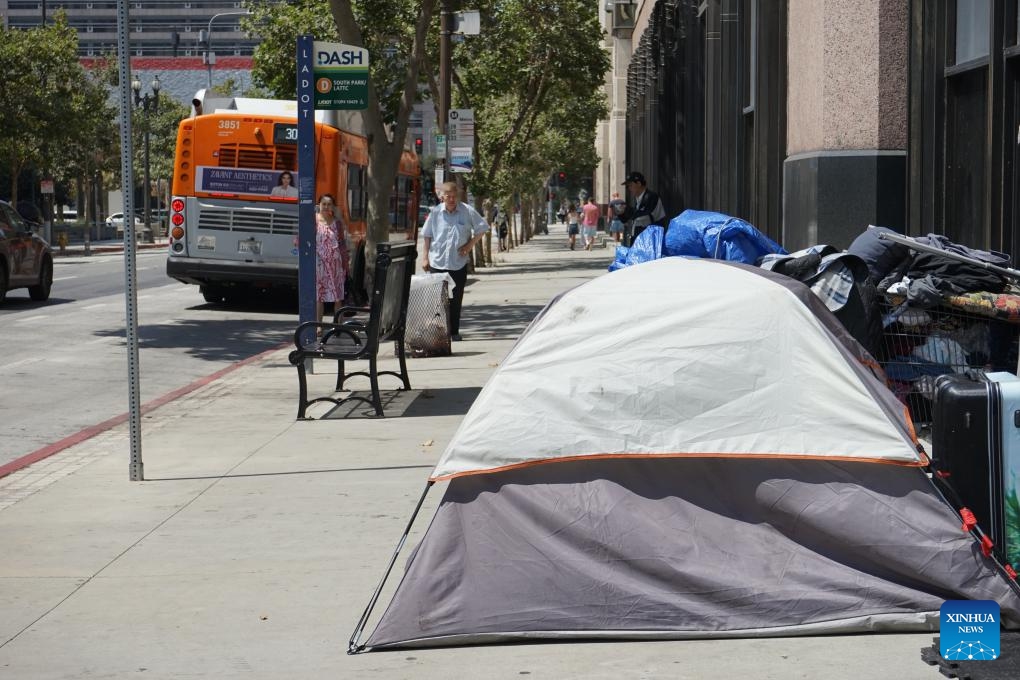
(479, 250)
(385, 141)
(79, 189)
(383, 160)
(15, 170)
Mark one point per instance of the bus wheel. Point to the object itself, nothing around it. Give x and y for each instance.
(213, 294)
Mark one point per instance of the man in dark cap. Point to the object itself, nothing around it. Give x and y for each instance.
(647, 208)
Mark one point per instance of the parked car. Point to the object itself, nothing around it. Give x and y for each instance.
(26, 260)
(116, 220)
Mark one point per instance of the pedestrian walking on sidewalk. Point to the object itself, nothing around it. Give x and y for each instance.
(617, 207)
(502, 228)
(572, 228)
(450, 232)
(331, 257)
(589, 222)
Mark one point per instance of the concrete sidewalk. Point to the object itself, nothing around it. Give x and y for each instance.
(257, 540)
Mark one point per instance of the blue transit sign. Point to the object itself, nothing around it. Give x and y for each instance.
(306, 179)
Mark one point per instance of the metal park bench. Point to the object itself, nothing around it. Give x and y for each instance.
(356, 332)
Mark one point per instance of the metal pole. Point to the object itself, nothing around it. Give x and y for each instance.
(136, 468)
(352, 646)
(146, 188)
(446, 76)
(208, 39)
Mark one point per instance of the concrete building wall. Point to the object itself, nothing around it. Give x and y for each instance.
(611, 135)
(847, 75)
(846, 119)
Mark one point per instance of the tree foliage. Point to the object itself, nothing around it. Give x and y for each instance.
(163, 125)
(54, 112)
(394, 32)
(535, 86)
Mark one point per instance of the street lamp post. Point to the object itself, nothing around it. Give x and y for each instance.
(147, 103)
(205, 37)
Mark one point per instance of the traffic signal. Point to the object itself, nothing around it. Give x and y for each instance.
(419, 145)
(562, 176)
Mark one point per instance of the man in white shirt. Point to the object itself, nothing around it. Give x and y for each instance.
(450, 232)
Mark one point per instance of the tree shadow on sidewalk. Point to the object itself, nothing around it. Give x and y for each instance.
(560, 265)
(499, 321)
(211, 340)
(427, 403)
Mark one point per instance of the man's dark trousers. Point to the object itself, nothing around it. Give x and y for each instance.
(459, 277)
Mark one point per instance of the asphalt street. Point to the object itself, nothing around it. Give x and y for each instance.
(63, 363)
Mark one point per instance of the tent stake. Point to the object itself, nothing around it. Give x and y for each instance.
(352, 646)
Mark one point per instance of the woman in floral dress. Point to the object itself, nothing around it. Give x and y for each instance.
(330, 255)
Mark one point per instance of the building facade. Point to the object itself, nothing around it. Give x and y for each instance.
(814, 119)
(159, 28)
(611, 135)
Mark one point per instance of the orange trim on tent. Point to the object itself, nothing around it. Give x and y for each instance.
(913, 436)
(597, 456)
(872, 364)
(910, 424)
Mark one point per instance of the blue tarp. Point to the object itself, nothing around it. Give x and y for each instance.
(646, 247)
(699, 233)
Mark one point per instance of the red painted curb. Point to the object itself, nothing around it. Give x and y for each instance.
(92, 431)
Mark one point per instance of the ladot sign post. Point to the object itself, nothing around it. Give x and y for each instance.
(330, 76)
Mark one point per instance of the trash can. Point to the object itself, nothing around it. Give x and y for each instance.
(427, 329)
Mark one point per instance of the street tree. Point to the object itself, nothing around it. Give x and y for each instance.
(44, 95)
(163, 126)
(394, 32)
(91, 151)
(536, 90)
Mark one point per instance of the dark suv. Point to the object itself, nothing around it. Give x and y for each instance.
(26, 260)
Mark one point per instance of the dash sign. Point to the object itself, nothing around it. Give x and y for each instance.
(341, 76)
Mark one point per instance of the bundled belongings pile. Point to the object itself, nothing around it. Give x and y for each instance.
(920, 306)
(838, 278)
(925, 269)
(738, 470)
(841, 280)
(427, 331)
(941, 311)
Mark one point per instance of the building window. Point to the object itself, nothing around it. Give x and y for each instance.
(972, 29)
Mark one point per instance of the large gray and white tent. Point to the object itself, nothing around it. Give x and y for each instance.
(685, 449)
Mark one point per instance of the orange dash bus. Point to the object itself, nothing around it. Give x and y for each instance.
(234, 207)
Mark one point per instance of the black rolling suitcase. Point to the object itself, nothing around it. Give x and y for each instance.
(976, 452)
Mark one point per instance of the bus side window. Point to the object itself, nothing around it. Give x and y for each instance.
(356, 192)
